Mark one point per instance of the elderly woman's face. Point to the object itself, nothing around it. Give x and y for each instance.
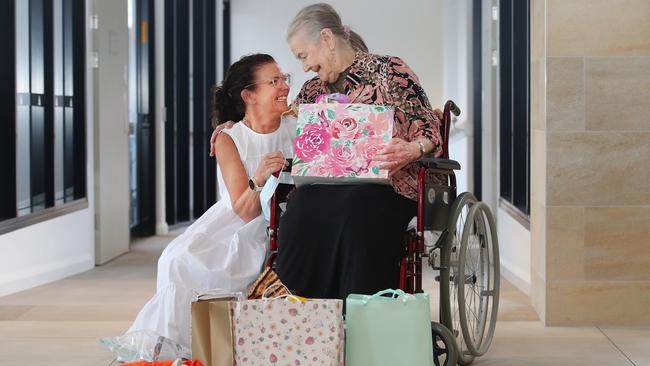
(315, 56)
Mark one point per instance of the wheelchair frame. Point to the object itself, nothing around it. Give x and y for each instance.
(436, 206)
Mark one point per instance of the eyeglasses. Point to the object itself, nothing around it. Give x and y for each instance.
(276, 81)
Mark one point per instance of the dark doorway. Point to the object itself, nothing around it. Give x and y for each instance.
(142, 119)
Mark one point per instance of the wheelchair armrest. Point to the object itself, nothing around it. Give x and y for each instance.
(442, 164)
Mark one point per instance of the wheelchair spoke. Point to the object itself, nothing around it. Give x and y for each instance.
(471, 307)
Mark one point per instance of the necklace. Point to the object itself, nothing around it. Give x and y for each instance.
(261, 129)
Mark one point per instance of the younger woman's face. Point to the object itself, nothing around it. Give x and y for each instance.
(271, 89)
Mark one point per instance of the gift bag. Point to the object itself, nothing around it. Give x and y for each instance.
(212, 332)
(336, 143)
(388, 330)
(288, 331)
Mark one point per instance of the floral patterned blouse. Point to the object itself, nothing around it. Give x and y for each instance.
(387, 80)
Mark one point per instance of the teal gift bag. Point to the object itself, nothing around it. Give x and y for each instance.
(388, 331)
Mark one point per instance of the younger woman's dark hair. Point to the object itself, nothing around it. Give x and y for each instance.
(227, 103)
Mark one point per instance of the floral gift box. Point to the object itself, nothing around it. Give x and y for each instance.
(336, 143)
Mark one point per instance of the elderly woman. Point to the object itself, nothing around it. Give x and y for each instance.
(224, 250)
(342, 239)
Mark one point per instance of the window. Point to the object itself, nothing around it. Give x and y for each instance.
(514, 70)
(43, 110)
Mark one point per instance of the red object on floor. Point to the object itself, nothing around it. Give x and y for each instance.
(164, 363)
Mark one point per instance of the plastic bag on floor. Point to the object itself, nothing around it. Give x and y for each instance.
(145, 346)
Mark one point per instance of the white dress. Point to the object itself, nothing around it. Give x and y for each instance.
(217, 253)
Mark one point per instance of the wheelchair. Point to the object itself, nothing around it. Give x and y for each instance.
(465, 254)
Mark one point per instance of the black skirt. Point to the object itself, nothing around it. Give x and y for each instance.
(340, 239)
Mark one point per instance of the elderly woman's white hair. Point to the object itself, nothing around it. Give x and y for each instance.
(316, 17)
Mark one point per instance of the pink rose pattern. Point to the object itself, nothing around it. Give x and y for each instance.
(283, 332)
(345, 128)
(340, 140)
(313, 142)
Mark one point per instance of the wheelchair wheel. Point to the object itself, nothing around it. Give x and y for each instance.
(445, 352)
(478, 288)
(450, 273)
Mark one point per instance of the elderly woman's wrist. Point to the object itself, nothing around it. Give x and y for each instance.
(421, 149)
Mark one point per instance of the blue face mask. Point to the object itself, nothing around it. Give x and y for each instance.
(267, 194)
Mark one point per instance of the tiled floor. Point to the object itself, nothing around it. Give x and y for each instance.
(60, 323)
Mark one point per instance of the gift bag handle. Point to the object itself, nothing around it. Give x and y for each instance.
(396, 294)
(273, 286)
(287, 296)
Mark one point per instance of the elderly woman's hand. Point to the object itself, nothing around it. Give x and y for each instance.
(215, 133)
(292, 111)
(438, 114)
(397, 154)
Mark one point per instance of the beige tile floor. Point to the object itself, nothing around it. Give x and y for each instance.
(60, 323)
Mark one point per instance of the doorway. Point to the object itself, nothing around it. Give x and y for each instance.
(142, 213)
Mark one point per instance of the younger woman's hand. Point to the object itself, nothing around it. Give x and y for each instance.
(271, 163)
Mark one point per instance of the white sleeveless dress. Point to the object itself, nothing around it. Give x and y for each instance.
(217, 253)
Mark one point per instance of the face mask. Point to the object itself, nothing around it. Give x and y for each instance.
(267, 194)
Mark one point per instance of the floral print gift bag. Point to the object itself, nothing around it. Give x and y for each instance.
(336, 143)
(288, 331)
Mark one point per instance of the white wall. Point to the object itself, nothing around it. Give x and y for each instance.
(457, 57)
(457, 85)
(47, 251)
(459, 150)
(490, 126)
(514, 250)
(111, 130)
(412, 32)
(56, 248)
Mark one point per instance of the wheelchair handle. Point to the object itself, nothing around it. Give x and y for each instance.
(450, 107)
(453, 108)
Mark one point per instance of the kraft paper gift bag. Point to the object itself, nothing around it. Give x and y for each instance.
(336, 143)
(212, 331)
(387, 331)
(288, 331)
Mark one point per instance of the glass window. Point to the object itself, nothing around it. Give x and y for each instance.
(23, 97)
(48, 67)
